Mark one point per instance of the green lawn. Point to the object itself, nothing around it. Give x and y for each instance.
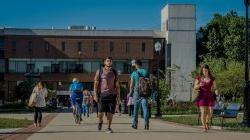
(229, 124)
(14, 123)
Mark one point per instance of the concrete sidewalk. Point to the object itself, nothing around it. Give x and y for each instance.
(63, 128)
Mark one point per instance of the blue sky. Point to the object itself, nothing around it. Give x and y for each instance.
(104, 14)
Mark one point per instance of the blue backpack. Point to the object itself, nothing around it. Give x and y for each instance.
(77, 87)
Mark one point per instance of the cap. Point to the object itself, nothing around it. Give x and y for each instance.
(133, 62)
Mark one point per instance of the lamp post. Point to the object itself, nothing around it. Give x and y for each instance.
(79, 68)
(158, 50)
(246, 117)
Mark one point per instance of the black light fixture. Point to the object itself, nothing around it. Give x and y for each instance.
(158, 50)
(246, 117)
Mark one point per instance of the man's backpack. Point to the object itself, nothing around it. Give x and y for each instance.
(144, 85)
(77, 87)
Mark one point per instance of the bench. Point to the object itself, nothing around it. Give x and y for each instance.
(231, 111)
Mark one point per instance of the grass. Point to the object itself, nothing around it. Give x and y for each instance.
(14, 123)
(229, 124)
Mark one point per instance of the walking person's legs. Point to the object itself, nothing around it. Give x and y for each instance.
(144, 103)
(209, 116)
(132, 109)
(35, 116)
(84, 110)
(87, 110)
(39, 116)
(135, 114)
(100, 116)
(203, 110)
(109, 119)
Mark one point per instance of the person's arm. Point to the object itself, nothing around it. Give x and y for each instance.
(214, 88)
(131, 87)
(118, 90)
(96, 86)
(196, 84)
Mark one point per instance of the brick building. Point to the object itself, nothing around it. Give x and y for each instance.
(58, 55)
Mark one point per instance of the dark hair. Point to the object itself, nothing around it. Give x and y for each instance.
(205, 66)
(138, 62)
(108, 58)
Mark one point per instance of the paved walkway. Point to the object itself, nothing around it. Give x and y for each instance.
(62, 127)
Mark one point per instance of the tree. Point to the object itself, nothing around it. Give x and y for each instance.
(229, 76)
(222, 37)
(24, 90)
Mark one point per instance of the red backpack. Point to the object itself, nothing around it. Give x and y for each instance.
(144, 85)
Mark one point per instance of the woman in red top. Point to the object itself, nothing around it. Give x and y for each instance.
(206, 84)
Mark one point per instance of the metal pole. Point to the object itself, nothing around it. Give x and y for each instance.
(158, 88)
(246, 117)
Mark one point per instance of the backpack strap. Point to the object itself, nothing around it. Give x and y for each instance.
(139, 74)
(115, 73)
(100, 74)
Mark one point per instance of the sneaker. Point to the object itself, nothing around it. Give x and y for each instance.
(100, 126)
(109, 130)
(134, 127)
(146, 127)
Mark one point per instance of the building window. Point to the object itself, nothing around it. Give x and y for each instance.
(47, 46)
(111, 46)
(55, 68)
(30, 68)
(145, 65)
(1, 43)
(63, 46)
(79, 68)
(95, 66)
(168, 55)
(143, 47)
(127, 46)
(2, 65)
(79, 46)
(86, 67)
(95, 46)
(14, 46)
(166, 25)
(30, 45)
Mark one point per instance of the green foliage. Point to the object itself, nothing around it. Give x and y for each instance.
(165, 92)
(23, 90)
(229, 124)
(51, 94)
(222, 37)
(230, 81)
(229, 76)
(14, 123)
(181, 108)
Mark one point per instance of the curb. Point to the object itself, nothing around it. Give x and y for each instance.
(24, 133)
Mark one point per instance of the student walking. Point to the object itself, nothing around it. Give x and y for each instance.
(206, 85)
(86, 102)
(139, 88)
(106, 92)
(40, 93)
